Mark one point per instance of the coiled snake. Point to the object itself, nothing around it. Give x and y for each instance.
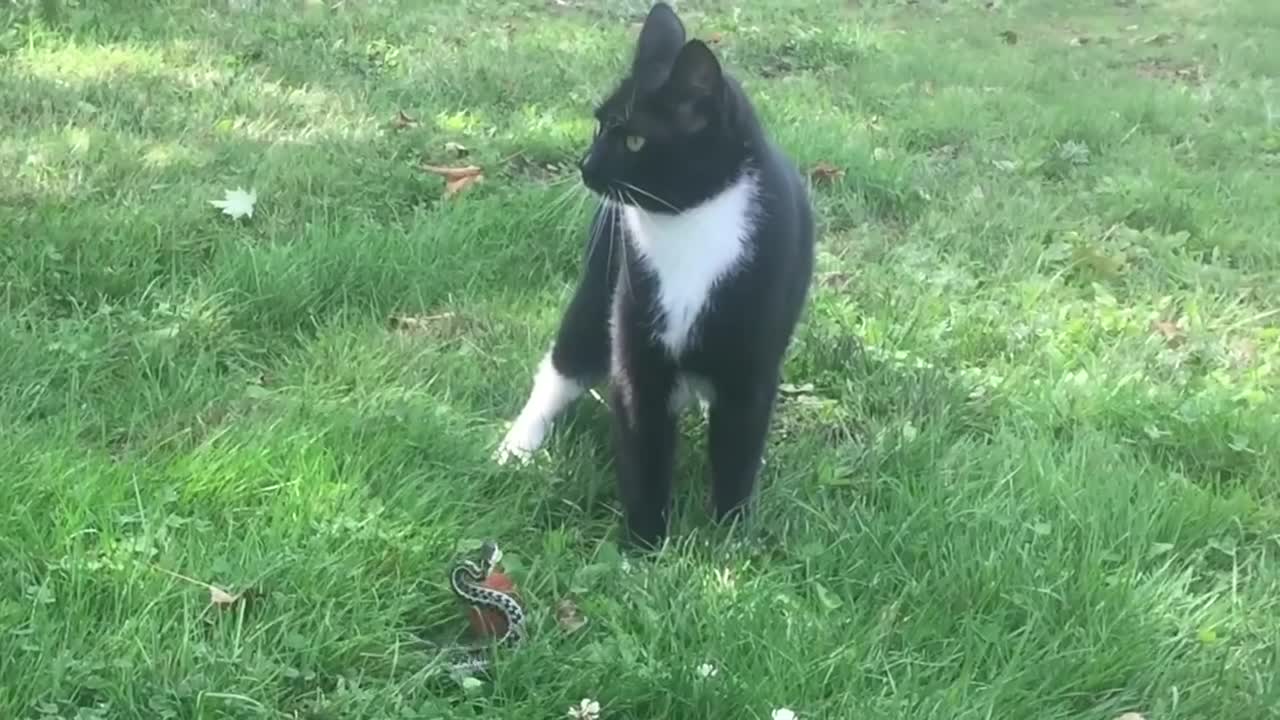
(466, 580)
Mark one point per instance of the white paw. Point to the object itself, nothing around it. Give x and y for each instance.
(523, 440)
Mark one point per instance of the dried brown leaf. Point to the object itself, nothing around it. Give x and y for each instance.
(715, 38)
(452, 173)
(789, 389)
(1099, 260)
(1243, 353)
(456, 179)
(456, 186)
(217, 596)
(835, 279)
(1169, 70)
(221, 598)
(418, 324)
(826, 172)
(1170, 331)
(403, 121)
(568, 617)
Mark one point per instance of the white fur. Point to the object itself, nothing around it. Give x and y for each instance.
(691, 252)
(690, 386)
(551, 394)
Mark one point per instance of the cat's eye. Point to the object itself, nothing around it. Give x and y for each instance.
(634, 143)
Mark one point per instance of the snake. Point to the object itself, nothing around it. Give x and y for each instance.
(465, 579)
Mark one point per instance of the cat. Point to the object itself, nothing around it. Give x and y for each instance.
(698, 266)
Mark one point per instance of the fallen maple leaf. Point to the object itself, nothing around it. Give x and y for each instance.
(825, 172)
(456, 179)
(237, 203)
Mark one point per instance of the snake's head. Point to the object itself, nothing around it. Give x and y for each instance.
(490, 554)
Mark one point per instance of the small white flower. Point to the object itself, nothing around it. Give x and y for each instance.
(783, 714)
(588, 709)
(707, 670)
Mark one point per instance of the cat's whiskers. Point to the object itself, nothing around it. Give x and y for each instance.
(613, 230)
(606, 215)
(555, 206)
(649, 195)
(594, 237)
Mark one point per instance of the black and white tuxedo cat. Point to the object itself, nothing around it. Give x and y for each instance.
(698, 266)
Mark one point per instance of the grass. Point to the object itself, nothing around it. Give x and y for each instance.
(1028, 467)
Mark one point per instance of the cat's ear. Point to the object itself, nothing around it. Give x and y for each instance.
(696, 73)
(695, 85)
(660, 41)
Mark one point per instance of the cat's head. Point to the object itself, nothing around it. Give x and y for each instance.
(667, 137)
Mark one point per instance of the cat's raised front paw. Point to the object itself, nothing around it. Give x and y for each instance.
(521, 442)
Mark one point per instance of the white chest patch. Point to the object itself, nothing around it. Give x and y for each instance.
(689, 253)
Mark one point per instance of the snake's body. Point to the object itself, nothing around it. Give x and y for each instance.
(466, 580)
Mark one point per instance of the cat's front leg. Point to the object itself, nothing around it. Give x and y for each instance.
(553, 391)
(580, 356)
(645, 443)
(738, 430)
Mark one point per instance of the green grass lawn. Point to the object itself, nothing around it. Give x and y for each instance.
(1028, 465)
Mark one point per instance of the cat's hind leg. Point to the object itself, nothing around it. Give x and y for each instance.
(738, 430)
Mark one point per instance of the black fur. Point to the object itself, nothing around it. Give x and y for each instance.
(700, 135)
